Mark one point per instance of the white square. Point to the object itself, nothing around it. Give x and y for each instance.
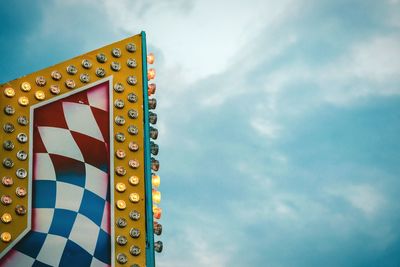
(99, 96)
(60, 141)
(68, 196)
(79, 118)
(42, 219)
(52, 250)
(18, 259)
(97, 263)
(44, 168)
(85, 233)
(96, 181)
(105, 221)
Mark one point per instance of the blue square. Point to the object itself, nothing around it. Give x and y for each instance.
(40, 264)
(69, 170)
(31, 244)
(62, 223)
(103, 247)
(74, 255)
(44, 194)
(92, 206)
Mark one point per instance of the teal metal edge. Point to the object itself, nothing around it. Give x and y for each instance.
(150, 261)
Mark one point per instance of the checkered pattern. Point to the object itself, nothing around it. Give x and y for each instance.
(71, 190)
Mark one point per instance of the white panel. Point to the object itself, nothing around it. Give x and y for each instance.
(44, 169)
(97, 263)
(17, 259)
(96, 181)
(42, 219)
(85, 233)
(52, 250)
(69, 196)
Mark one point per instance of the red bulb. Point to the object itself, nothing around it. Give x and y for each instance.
(157, 212)
(151, 89)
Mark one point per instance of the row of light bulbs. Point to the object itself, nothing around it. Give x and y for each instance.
(155, 179)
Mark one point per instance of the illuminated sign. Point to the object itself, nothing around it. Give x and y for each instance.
(79, 176)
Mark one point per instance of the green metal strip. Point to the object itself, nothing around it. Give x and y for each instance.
(150, 262)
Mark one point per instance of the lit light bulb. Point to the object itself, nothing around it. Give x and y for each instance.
(40, 95)
(155, 180)
(23, 101)
(151, 74)
(157, 212)
(25, 86)
(150, 58)
(156, 196)
(9, 92)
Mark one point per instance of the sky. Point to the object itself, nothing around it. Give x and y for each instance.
(279, 120)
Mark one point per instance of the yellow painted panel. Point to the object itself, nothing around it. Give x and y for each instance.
(20, 223)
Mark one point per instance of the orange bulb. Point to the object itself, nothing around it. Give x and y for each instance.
(156, 196)
(150, 58)
(155, 180)
(157, 212)
(151, 74)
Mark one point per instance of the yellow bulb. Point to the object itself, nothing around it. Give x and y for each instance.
(23, 101)
(134, 197)
(6, 218)
(155, 180)
(9, 92)
(121, 204)
(121, 187)
(150, 58)
(25, 86)
(156, 196)
(151, 74)
(5, 237)
(40, 95)
(134, 180)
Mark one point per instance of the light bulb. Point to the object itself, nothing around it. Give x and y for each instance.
(150, 58)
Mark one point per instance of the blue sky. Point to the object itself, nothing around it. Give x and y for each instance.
(279, 120)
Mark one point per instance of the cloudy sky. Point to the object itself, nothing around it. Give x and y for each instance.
(279, 120)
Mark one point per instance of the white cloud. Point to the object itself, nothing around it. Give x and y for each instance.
(202, 36)
(363, 197)
(265, 128)
(370, 68)
(378, 59)
(197, 238)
